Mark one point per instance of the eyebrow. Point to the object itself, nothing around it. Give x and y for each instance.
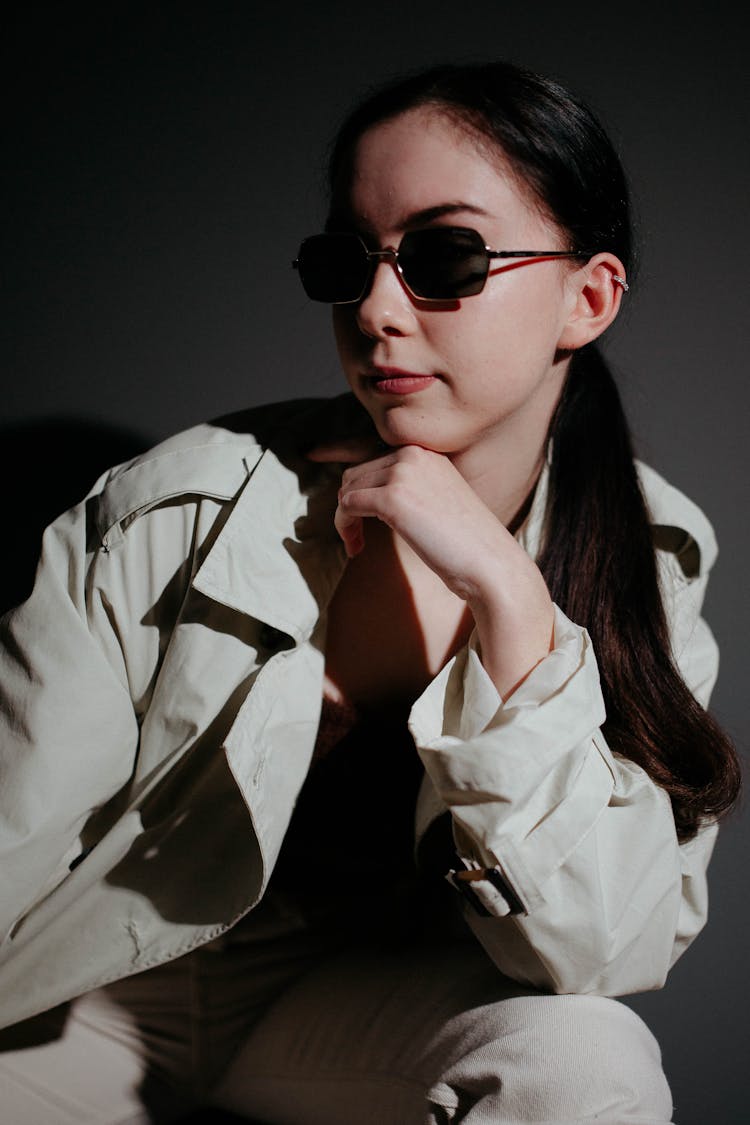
(417, 218)
(429, 214)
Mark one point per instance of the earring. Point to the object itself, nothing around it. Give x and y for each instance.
(620, 281)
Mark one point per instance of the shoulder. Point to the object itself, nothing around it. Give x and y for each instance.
(214, 459)
(680, 528)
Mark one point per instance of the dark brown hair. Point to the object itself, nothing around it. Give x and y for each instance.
(598, 556)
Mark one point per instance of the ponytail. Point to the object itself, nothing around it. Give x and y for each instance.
(600, 566)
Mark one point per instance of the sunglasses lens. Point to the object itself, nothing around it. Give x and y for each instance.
(437, 264)
(443, 263)
(333, 267)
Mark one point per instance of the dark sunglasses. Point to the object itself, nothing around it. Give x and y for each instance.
(435, 264)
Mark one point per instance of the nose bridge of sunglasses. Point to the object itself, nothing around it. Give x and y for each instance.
(388, 256)
(388, 252)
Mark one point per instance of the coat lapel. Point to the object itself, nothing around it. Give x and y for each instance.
(278, 557)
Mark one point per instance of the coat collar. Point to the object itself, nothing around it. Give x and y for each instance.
(278, 558)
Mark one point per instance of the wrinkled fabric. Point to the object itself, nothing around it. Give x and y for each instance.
(160, 692)
(269, 1025)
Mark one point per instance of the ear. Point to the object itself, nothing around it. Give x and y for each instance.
(596, 293)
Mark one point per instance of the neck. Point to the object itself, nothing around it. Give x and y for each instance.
(503, 471)
(503, 464)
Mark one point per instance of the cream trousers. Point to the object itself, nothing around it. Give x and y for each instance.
(278, 1023)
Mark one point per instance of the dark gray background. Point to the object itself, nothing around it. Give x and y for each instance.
(164, 164)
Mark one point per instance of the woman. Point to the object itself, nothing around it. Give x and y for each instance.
(223, 846)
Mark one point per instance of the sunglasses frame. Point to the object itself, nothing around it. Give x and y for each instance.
(378, 256)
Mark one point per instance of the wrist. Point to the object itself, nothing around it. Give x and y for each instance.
(515, 628)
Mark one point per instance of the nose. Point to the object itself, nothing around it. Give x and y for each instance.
(386, 308)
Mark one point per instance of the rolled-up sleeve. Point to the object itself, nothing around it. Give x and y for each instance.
(572, 870)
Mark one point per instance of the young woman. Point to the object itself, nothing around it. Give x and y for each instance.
(355, 751)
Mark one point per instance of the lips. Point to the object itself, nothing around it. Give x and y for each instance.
(396, 381)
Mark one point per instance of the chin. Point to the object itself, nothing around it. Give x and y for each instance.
(396, 428)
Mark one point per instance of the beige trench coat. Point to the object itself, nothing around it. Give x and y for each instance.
(160, 693)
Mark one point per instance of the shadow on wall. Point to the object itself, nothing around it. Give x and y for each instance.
(47, 466)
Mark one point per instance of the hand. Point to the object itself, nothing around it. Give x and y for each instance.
(425, 500)
(349, 451)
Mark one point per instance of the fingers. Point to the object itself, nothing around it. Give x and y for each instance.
(368, 474)
(357, 451)
(381, 487)
(364, 492)
(351, 531)
(359, 488)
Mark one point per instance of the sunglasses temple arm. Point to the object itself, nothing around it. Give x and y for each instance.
(537, 254)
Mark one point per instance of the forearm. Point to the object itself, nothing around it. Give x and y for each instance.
(514, 617)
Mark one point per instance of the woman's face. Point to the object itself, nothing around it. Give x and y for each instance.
(453, 375)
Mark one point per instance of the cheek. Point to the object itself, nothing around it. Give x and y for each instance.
(505, 344)
(523, 317)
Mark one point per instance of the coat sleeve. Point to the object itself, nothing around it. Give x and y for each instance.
(574, 877)
(80, 657)
(68, 727)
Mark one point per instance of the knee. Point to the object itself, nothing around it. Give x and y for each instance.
(561, 1058)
